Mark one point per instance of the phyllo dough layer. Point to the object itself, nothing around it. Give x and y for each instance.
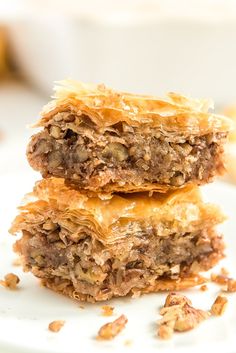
(107, 141)
(94, 249)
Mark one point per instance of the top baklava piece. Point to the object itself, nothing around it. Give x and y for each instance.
(107, 141)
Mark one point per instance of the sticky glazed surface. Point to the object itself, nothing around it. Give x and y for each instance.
(176, 113)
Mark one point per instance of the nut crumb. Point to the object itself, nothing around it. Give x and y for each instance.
(179, 315)
(204, 288)
(231, 285)
(127, 343)
(82, 306)
(16, 262)
(112, 329)
(219, 279)
(56, 325)
(107, 310)
(224, 271)
(219, 306)
(10, 281)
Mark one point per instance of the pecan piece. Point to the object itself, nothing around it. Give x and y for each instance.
(219, 306)
(179, 315)
(112, 329)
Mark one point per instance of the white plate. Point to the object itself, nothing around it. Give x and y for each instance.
(25, 313)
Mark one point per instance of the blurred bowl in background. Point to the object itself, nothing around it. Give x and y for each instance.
(148, 47)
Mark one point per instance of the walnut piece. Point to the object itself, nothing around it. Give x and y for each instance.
(223, 280)
(56, 325)
(219, 306)
(115, 150)
(224, 271)
(219, 279)
(204, 288)
(179, 315)
(107, 310)
(111, 329)
(231, 285)
(10, 281)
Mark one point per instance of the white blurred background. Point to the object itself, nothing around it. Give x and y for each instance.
(145, 46)
(149, 46)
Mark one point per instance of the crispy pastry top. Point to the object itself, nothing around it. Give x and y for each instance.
(106, 107)
(110, 219)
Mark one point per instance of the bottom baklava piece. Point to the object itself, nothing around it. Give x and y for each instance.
(93, 249)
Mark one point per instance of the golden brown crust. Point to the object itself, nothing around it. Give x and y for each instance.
(176, 114)
(183, 210)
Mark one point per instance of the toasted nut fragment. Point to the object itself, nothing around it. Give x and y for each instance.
(115, 150)
(204, 288)
(219, 279)
(231, 285)
(81, 154)
(179, 315)
(54, 159)
(219, 306)
(107, 310)
(176, 299)
(177, 180)
(41, 147)
(10, 281)
(55, 131)
(165, 331)
(225, 280)
(56, 325)
(111, 329)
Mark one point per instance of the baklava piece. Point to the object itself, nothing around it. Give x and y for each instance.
(94, 249)
(107, 141)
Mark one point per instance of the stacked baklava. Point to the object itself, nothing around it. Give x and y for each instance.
(118, 210)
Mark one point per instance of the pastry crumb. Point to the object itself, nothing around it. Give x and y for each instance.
(179, 315)
(107, 310)
(82, 306)
(204, 288)
(112, 329)
(55, 326)
(219, 306)
(10, 281)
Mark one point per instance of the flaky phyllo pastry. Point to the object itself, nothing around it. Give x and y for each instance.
(94, 249)
(107, 141)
